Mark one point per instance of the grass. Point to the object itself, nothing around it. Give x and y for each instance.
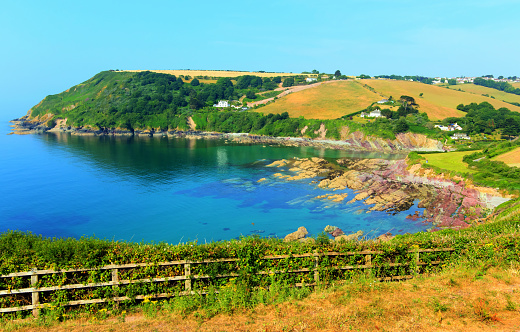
(451, 161)
(219, 73)
(437, 102)
(480, 90)
(461, 298)
(325, 101)
(511, 158)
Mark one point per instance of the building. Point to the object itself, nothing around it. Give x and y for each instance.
(460, 136)
(375, 114)
(311, 79)
(222, 103)
(450, 127)
(382, 101)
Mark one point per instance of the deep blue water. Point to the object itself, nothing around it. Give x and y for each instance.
(172, 190)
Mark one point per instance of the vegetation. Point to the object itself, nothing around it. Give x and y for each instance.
(502, 86)
(484, 118)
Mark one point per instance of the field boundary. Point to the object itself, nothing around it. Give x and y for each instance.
(187, 277)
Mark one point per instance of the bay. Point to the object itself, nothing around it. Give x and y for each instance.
(172, 190)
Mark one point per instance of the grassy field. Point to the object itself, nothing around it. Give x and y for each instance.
(511, 158)
(437, 102)
(326, 101)
(516, 85)
(480, 90)
(219, 73)
(451, 161)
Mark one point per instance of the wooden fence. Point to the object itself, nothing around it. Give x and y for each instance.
(35, 290)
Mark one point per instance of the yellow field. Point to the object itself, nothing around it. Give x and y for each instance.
(480, 90)
(437, 102)
(326, 101)
(511, 158)
(516, 85)
(451, 161)
(219, 73)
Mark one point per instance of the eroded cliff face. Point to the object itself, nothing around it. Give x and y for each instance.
(403, 141)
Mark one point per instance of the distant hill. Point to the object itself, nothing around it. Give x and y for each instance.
(219, 73)
(326, 101)
(337, 99)
(497, 94)
(438, 102)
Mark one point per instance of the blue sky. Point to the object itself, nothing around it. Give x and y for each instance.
(48, 46)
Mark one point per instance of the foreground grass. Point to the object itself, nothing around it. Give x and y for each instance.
(464, 297)
(451, 161)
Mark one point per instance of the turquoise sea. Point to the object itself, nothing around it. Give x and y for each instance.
(172, 190)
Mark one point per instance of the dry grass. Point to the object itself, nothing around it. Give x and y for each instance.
(459, 299)
(516, 85)
(511, 158)
(218, 73)
(480, 90)
(325, 101)
(437, 102)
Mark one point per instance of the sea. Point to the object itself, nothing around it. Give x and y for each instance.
(173, 190)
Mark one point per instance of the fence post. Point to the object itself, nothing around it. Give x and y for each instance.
(187, 274)
(115, 285)
(368, 264)
(416, 254)
(316, 264)
(35, 294)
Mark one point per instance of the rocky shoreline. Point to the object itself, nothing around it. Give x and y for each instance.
(355, 141)
(392, 186)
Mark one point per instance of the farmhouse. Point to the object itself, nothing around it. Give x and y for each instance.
(460, 136)
(450, 127)
(222, 103)
(372, 114)
(311, 79)
(382, 101)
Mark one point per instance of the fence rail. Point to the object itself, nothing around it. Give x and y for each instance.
(188, 277)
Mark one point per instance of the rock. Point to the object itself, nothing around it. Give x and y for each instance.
(337, 232)
(350, 237)
(261, 180)
(299, 234)
(385, 237)
(309, 240)
(329, 229)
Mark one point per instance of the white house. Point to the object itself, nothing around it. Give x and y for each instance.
(311, 79)
(372, 114)
(450, 127)
(382, 101)
(460, 136)
(375, 114)
(222, 103)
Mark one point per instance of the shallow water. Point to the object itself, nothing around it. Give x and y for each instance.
(172, 190)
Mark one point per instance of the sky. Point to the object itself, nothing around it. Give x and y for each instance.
(49, 46)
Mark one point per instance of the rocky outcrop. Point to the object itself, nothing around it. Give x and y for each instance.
(351, 237)
(301, 233)
(387, 185)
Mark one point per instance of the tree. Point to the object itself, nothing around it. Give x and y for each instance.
(289, 81)
(194, 82)
(401, 126)
(314, 71)
(277, 79)
(452, 81)
(250, 94)
(337, 73)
